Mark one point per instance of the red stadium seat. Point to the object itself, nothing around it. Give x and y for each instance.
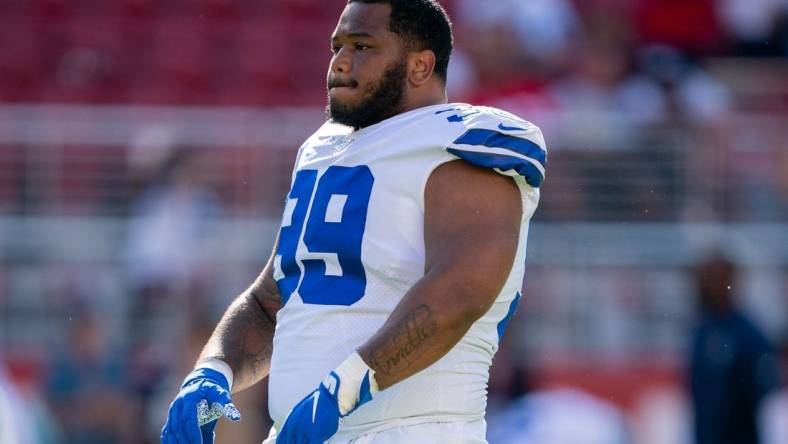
(173, 51)
(220, 9)
(699, 31)
(93, 64)
(11, 176)
(137, 8)
(204, 9)
(275, 62)
(263, 55)
(21, 61)
(51, 8)
(313, 56)
(306, 9)
(182, 57)
(16, 9)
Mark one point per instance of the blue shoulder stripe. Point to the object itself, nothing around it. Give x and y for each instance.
(495, 139)
(532, 175)
(505, 321)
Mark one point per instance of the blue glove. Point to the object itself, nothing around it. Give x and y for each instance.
(316, 418)
(204, 397)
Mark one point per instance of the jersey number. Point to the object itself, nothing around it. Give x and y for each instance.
(332, 230)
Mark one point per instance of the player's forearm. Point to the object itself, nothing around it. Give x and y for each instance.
(244, 340)
(427, 324)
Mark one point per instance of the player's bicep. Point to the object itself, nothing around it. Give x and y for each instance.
(472, 229)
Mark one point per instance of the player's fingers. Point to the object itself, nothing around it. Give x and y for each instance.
(295, 435)
(182, 438)
(290, 432)
(280, 437)
(193, 430)
(182, 424)
(303, 436)
(167, 434)
(164, 439)
(207, 435)
(170, 437)
(229, 410)
(284, 435)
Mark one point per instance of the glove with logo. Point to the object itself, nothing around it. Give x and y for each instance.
(204, 398)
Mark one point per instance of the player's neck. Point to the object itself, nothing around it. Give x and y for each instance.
(422, 100)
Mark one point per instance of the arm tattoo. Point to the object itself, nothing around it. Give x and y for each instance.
(243, 338)
(254, 350)
(406, 345)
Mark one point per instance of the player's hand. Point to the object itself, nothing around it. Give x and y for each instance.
(203, 399)
(315, 419)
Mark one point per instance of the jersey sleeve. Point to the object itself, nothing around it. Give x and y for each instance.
(500, 141)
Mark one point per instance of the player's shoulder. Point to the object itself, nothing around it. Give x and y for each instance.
(493, 138)
(476, 116)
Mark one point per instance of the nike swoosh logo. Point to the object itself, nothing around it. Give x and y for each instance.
(509, 128)
(315, 396)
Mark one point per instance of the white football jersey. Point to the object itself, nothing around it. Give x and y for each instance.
(352, 244)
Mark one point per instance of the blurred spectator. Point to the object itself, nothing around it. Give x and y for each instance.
(559, 417)
(171, 220)
(160, 365)
(148, 375)
(87, 387)
(697, 96)
(543, 28)
(515, 47)
(171, 224)
(753, 26)
(733, 366)
(603, 79)
(510, 376)
(702, 98)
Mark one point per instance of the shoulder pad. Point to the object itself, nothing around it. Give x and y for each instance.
(501, 141)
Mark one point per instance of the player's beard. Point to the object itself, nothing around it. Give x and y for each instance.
(381, 100)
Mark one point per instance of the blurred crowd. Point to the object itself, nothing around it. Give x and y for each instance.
(639, 56)
(642, 58)
(610, 81)
(679, 90)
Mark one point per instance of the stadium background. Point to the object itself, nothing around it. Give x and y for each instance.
(146, 148)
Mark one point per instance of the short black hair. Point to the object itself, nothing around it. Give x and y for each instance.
(423, 24)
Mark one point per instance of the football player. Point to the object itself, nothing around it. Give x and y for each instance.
(399, 259)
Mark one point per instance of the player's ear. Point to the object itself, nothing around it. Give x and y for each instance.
(421, 65)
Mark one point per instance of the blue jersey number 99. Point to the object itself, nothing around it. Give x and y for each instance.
(332, 231)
